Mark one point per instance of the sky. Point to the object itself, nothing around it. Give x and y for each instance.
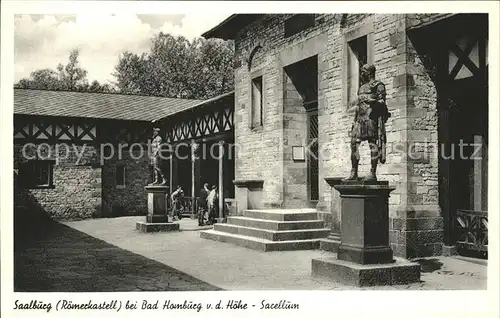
(43, 41)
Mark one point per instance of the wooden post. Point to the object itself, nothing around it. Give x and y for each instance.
(194, 171)
(172, 169)
(193, 160)
(221, 181)
(478, 161)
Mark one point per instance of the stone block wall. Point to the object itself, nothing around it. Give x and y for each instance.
(415, 221)
(294, 126)
(83, 188)
(77, 183)
(130, 199)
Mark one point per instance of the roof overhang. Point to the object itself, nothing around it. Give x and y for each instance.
(229, 28)
(206, 103)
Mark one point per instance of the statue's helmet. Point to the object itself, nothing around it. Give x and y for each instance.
(368, 69)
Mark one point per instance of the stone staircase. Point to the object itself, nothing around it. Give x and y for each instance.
(271, 230)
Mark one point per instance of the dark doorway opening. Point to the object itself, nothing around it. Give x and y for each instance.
(454, 52)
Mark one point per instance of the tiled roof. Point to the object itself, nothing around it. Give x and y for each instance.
(97, 105)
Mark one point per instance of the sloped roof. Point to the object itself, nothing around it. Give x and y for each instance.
(97, 105)
(228, 28)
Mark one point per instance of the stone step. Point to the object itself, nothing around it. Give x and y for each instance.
(329, 245)
(282, 214)
(273, 235)
(259, 244)
(275, 225)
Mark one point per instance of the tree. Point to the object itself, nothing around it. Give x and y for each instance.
(40, 79)
(177, 68)
(128, 73)
(69, 77)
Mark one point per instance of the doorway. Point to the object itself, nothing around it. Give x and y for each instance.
(463, 126)
(301, 128)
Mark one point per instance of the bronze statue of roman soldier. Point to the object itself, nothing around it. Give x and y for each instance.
(156, 158)
(371, 114)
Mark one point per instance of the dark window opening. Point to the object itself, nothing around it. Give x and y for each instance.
(298, 23)
(357, 57)
(359, 48)
(120, 176)
(257, 102)
(37, 174)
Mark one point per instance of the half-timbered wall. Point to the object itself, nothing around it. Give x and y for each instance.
(73, 130)
(199, 129)
(86, 154)
(205, 122)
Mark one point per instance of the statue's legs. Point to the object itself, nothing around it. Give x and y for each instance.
(155, 181)
(164, 180)
(374, 160)
(354, 159)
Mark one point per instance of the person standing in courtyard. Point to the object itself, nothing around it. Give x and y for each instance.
(371, 114)
(212, 204)
(176, 198)
(203, 207)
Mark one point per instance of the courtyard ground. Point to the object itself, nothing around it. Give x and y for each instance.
(110, 255)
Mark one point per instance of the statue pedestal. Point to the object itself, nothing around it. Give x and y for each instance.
(364, 256)
(157, 218)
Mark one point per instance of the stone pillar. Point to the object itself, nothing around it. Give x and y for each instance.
(157, 218)
(364, 255)
(221, 182)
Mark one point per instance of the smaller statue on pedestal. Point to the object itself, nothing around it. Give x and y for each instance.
(371, 114)
(156, 158)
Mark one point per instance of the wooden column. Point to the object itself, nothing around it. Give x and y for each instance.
(444, 140)
(195, 174)
(479, 163)
(194, 145)
(221, 181)
(173, 179)
(170, 171)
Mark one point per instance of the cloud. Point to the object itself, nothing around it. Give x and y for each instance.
(43, 41)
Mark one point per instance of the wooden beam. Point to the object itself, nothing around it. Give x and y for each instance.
(221, 181)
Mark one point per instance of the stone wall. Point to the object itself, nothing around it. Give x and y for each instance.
(416, 225)
(294, 126)
(77, 183)
(83, 188)
(130, 199)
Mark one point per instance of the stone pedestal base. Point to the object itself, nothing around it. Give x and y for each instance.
(365, 222)
(146, 227)
(364, 256)
(400, 272)
(157, 218)
(331, 243)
